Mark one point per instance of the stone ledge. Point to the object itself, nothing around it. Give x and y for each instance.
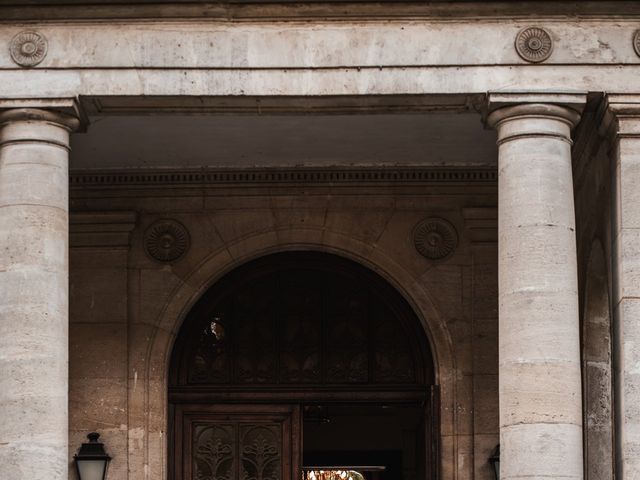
(109, 10)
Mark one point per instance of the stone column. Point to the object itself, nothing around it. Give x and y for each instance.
(622, 124)
(539, 342)
(34, 153)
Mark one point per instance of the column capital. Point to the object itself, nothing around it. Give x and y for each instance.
(566, 107)
(34, 114)
(38, 122)
(64, 112)
(620, 115)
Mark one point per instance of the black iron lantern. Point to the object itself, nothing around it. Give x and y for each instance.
(494, 460)
(92, 460)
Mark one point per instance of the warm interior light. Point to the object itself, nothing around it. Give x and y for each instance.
(332, 475)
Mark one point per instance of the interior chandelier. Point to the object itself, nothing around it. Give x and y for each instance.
(332, 475)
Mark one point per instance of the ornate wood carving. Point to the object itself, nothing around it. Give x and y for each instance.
(260, 452)
(236, 442)
(214, 452)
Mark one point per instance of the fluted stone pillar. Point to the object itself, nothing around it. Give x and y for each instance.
(34, 152)
(539, 342)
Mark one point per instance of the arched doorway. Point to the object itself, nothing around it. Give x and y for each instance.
(301, 359)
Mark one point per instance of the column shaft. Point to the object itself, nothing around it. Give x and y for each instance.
(539, 346)
(34, 294)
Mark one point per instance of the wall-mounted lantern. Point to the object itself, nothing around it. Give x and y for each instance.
(494, 460)
(92, 460)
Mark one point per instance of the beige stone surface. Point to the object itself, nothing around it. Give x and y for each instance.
(34, 294)
(319, 57)
(315, 44)
(315, 82)
(539, 339)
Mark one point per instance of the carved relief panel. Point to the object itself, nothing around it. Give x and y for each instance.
(235, 442)
(214, 451)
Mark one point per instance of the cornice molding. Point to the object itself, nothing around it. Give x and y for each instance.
(238, 10)
(288, 105)
(363, 176)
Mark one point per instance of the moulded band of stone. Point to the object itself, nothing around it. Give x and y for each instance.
(35, 114)
(566, 114)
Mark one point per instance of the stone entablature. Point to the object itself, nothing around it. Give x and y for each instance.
(327, 44)
(382, 56)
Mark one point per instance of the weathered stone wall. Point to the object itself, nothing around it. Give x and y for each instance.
(127, 307)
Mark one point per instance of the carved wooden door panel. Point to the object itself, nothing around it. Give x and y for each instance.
(236, 442)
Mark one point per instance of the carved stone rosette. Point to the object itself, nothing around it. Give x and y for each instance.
(28, 48)
(435, 238)
(166, 240)
(636, 42)
(534, 44)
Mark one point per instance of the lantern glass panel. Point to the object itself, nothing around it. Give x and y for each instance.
(91, 469)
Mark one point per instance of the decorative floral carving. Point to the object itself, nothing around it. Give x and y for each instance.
(260, 452)
(166, 240)
(28, 48)
(534, 44)
(213, 457)
(435, 238)
(636, 42)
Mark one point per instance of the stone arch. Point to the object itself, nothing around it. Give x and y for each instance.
(215, 266)
(597, 369)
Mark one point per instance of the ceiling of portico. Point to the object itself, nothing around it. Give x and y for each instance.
(189, 141)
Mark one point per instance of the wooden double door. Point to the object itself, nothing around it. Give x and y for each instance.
(237, 442)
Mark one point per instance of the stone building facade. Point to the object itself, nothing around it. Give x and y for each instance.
(392, 233)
